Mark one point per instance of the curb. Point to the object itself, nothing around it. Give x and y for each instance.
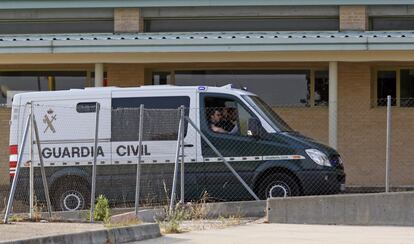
(113, 235)
(394, 208)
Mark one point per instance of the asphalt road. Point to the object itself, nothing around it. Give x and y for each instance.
(293, 234)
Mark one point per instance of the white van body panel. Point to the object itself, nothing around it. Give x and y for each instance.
(158, 151)
(71, 142)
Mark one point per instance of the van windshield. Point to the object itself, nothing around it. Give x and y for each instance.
(267, 112)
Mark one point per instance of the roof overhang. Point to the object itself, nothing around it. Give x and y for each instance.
(49, 4)
(212, 47)
(208, 42)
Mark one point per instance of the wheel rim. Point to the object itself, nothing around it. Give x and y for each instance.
(278, 189)
(72, 200)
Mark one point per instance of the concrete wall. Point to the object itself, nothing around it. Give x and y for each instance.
(355, 209)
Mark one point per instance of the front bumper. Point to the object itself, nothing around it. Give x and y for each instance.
(317, 182)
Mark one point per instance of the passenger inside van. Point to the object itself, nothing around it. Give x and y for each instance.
(229, 121)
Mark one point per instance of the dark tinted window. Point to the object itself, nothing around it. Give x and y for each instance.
(56, 26)
(246, 24)
(161, 118)
(86, 107)
(407, 88)
(386, 85)
(321, 88)
(392, 23)
(12, 82)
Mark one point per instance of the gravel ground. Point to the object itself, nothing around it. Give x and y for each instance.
(25, 230)
(220, 223)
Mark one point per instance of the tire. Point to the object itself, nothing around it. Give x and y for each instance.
(278, 185)
(71, 195)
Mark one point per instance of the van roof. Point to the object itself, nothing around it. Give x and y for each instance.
(105, 90)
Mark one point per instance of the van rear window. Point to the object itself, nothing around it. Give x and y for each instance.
(161, 118)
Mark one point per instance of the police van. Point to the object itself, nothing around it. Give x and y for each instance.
(273, 159)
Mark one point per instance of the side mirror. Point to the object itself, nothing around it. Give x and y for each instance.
(255, 128)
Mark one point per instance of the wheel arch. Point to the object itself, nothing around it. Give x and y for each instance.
(273, 169)
(68, 173)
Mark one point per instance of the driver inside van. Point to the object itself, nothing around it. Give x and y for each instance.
(215, 118)
(222, 120)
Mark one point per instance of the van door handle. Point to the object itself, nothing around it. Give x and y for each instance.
(188, 145)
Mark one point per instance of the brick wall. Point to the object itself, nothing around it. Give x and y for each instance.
(125, 75)
(362, 131)
(353, 18)
(4, 145)
(128, 20)
(312, 122)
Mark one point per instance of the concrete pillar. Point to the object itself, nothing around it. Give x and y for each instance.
(333, 104)
(99, 75)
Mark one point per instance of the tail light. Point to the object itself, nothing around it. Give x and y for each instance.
(13, 160)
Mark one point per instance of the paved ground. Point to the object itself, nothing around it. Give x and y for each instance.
(24, 230)
(293, 234)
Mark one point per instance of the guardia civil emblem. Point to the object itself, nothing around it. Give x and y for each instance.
(48, 120)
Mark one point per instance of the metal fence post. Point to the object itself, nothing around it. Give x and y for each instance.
(388, 146)
(138, 180)
(222, 158)
(42, 167)
(177, 153)
(182, 153)
(95, 155)
(31, 168)
(16, 174)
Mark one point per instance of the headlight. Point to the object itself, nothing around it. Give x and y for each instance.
(318, 157)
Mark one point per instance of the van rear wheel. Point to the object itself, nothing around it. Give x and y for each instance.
(278, 185)
(71, 196)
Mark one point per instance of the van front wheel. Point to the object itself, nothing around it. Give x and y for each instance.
(278, 185)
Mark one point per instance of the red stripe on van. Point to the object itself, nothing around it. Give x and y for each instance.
(13, 149)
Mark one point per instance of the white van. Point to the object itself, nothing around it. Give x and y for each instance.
(273, 159)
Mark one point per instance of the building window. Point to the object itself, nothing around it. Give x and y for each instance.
(161, 78)
(392, 23)
(56, 26)
(13, 82)
(407, 87)
(277, 87)
(386, 86)
(321, 87)
(241, 24)
(399, 84)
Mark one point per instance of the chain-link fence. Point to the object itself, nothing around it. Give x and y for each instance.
(232, 150)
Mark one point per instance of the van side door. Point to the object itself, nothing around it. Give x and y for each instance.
(160, 133)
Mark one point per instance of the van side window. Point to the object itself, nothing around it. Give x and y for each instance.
(226, 116)
(161, 118)
(89, 107)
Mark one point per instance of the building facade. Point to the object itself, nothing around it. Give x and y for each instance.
(325, 66)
